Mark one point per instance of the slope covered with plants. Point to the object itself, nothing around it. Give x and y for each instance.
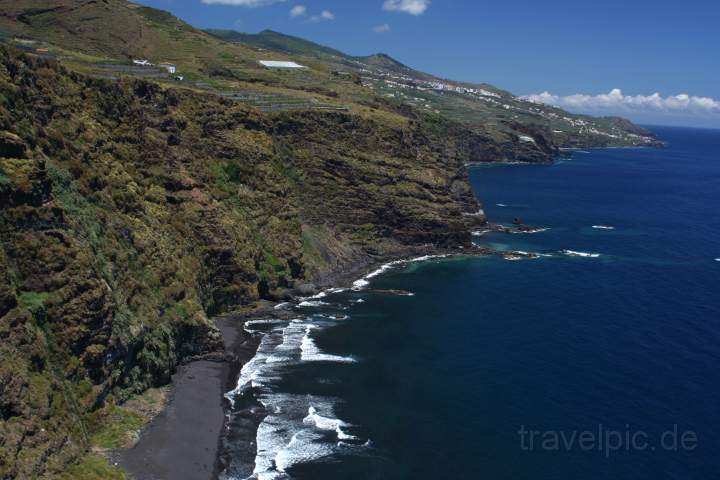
(130, 213)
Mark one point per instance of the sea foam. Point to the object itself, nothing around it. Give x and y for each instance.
(532, 230)
(573, 253)
(309, 352)
(313, 303)
(298, 428)
(365, 281)
(328, 423)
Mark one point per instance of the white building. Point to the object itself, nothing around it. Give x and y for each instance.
(169, 67)
(277, 64)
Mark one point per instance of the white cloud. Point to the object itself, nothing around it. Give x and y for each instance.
(242, 3)
(324, 15)
(298, 11)
(384, 28)
(413, 7)
(616, 101)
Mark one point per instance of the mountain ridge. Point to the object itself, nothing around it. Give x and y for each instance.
(138, 31)
(411, 77)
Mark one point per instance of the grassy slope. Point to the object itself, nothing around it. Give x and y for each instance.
(80, 30)
(498, 113)
(86, 33)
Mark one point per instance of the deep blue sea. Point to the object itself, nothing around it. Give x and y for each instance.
(621, 350)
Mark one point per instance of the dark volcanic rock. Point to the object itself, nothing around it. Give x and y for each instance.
(11, 146)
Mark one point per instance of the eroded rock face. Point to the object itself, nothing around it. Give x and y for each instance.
(130, 213)
(11, 146)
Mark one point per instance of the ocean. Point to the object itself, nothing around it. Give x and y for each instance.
(599, 360)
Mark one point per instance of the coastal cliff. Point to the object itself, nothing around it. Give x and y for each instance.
(131, 212)
(136, 203)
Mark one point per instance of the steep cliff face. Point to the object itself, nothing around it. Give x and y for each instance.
(130, 213)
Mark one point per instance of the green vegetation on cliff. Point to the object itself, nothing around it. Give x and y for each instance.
(131, 212)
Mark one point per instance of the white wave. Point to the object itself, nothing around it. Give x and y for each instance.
(298, 428)
(425, 258)
(383, 269)
(333, 317)
(324, 293)
(364, 281)
(249, 374)
(573, 253)
(283, 440)
(367, 444)
(287, 350)
(269, 442)
(253, 326)
(311, 353)
(297, 432)
(338, 318)
(314, 300)
(304, 447)
(336, 290)
(313, 303)
(360, 284)
(279, 346)
(359, 300)
(328, 423)
(603, 227)
(282, 306)
(501, 205)
(513, 258)
(717, 259)
(530, 254)
(534, 230)
(480, 233)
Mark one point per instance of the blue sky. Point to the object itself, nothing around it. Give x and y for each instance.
(558, 47)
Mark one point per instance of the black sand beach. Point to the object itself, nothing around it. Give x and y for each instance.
(183, 442)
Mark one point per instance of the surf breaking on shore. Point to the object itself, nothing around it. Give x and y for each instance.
(573, 253)
(365, 281)
(299, 428)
